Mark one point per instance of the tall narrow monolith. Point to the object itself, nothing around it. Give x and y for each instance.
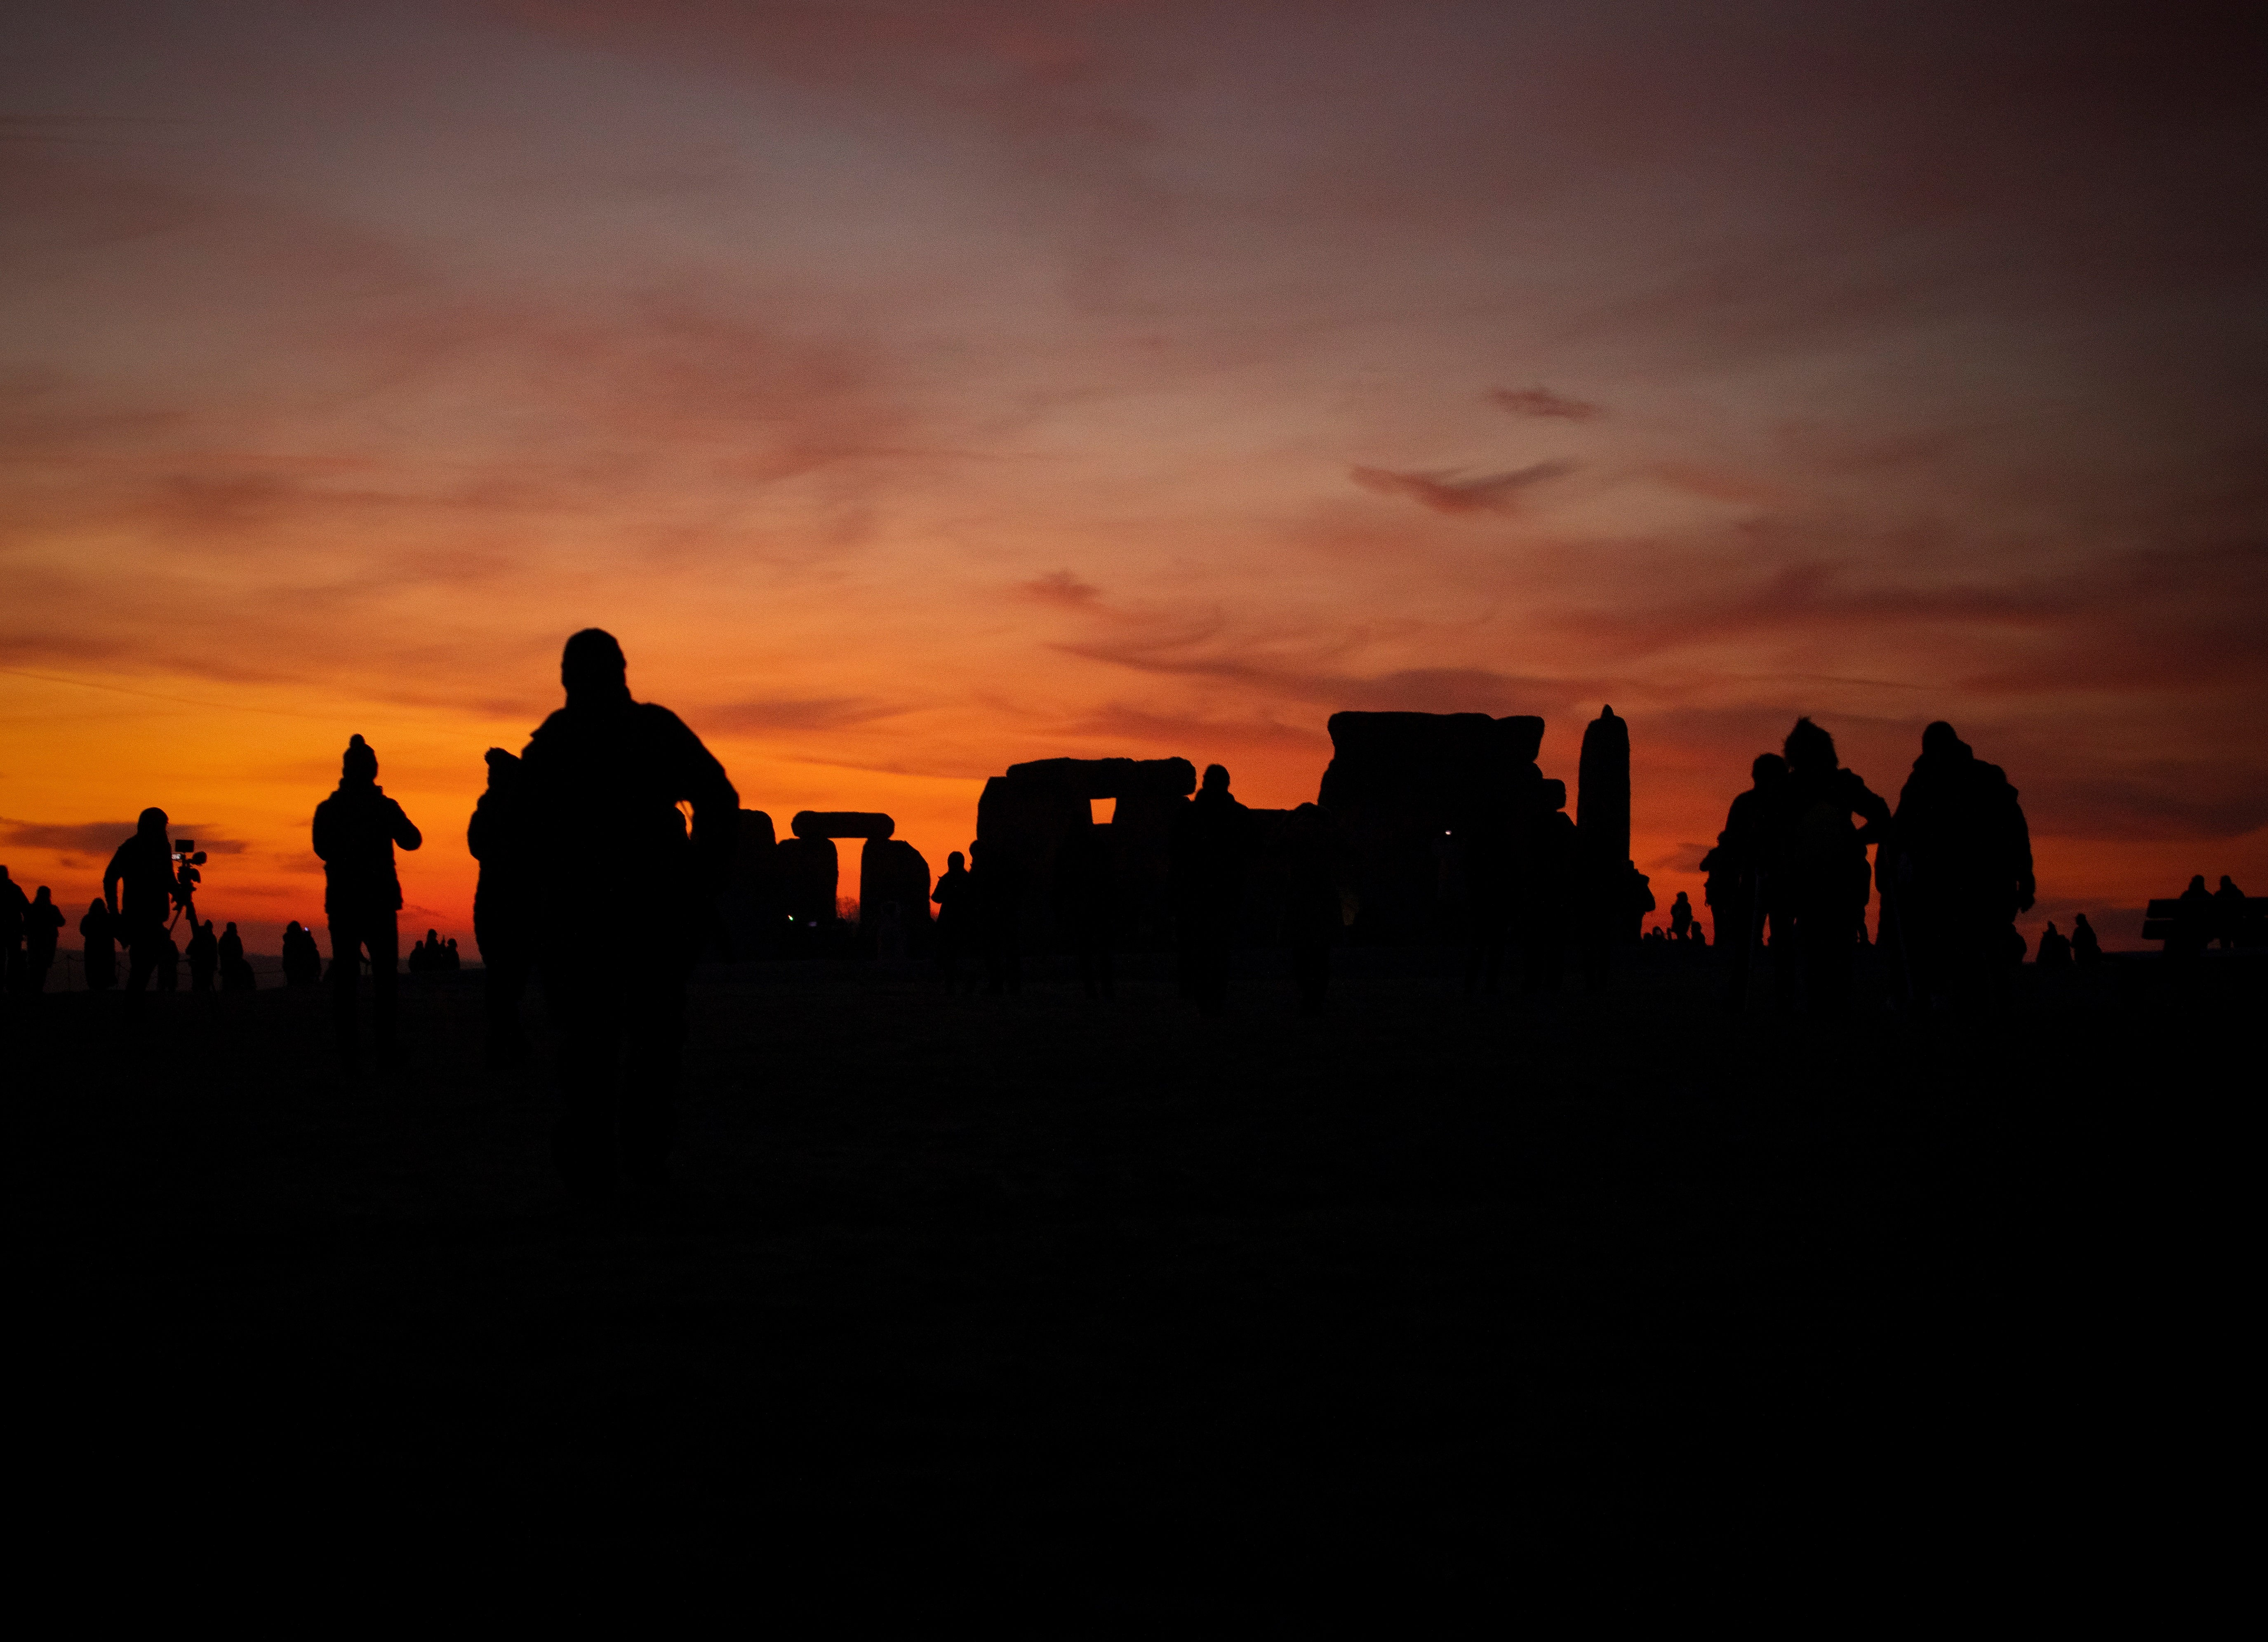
(1602, 795)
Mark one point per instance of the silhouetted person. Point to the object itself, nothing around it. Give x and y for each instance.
(1681, 918)
(449, 959)
(356, 829)
(2193, 921)
(956, 908)
(1313, 914)
(1086, 900)
(204, 954)
(1210, 848)
(998, 881)
(236, 974)
(43, 923)
(1961, 857)
(303, 961)
(1820, 859)
(505, 912)
(138, 887)
(169, 962)
(2085, 947)
(605, 776)
(186, 879)
(99, 947)
(1742, 863)
(2228, 912)
(2055, 953)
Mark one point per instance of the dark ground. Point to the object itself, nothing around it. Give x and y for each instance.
(1432, 1258)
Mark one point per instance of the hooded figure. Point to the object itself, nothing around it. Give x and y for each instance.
(142, 869)
(604, 777)
(1819, 860)
(356, 829)
(1961, 856)
(100, 947)
(43, 922)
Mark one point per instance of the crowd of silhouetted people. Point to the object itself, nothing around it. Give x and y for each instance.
(1787, 887)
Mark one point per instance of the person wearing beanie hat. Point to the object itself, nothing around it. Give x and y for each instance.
(603, 777)
(356, 829)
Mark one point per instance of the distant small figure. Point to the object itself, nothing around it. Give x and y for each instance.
(356, 832)
(1657, 936)
(43, 923)
(2055, 953)
(138, 888)
(186, 879)
(303, 960)
(998, 882)
(1681, 918)
(204, 954)
(99, 947)
(2086, 949)
(450, 961)
(1700, 936)
(956, 906)
(236, 974)
(2228, 912)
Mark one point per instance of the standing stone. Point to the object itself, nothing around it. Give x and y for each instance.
(891, 869)
(750, 907)
(1602, 793)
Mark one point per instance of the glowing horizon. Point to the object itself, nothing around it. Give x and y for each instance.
(919, 390)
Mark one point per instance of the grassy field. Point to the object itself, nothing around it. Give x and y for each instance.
(1431, 1256)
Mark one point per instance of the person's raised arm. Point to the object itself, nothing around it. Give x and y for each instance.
(405, 830)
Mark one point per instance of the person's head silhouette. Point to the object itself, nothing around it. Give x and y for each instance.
(359, 764)
(1940, 740)
(1216, 778)
(593, 669)
(41, 899)
(2196, 882)
(955, 862)
(152, 824)
(1808, 748)
(1768, 769)
(2227, 885)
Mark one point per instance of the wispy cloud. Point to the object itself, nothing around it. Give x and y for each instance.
(102, 837)
(1541, 401)
(1450, 490)
(1061, 588)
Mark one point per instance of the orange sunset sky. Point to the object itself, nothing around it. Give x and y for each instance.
(918, 389)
